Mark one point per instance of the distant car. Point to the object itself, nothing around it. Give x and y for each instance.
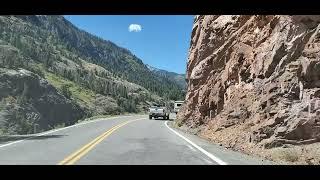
(177, 105)
(155, 112)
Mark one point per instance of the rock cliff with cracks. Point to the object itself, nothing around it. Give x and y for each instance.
(254, 81)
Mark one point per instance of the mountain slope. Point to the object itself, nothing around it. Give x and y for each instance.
(92, 73)
(175, 77)
(117, 60)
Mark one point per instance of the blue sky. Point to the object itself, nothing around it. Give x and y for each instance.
(162, 42)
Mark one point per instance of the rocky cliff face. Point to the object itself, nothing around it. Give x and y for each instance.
(28, 100)
(254, 80)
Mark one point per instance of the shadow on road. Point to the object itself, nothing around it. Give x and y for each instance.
(27, 137)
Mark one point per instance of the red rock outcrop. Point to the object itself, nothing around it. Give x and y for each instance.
(254, 80)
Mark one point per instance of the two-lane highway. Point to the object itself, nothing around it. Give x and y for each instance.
(117, 140)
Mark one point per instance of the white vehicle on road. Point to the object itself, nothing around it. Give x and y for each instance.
(177, 105)
(155, 112)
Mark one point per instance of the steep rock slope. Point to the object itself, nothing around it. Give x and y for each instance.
(28, 100)
(254, 81)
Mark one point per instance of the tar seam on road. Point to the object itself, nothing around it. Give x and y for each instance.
(74, 157)
(55, 130)
(214, 158)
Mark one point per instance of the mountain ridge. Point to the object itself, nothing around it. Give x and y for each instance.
(175, 77)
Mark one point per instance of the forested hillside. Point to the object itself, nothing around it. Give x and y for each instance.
(94, 74)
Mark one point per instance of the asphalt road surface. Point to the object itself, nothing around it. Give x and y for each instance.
(129, 140)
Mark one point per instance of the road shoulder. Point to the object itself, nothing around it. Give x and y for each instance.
(229, 156)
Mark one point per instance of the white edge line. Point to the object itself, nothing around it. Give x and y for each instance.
(190, 147)
(206, 160)
(214, 158)
(14, 142)
(55, 130)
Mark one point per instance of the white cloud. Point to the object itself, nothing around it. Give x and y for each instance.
(135, 28)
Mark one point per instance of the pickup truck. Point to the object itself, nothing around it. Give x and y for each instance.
(155, 112)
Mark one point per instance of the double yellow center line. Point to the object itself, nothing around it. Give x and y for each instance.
(74, 157)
